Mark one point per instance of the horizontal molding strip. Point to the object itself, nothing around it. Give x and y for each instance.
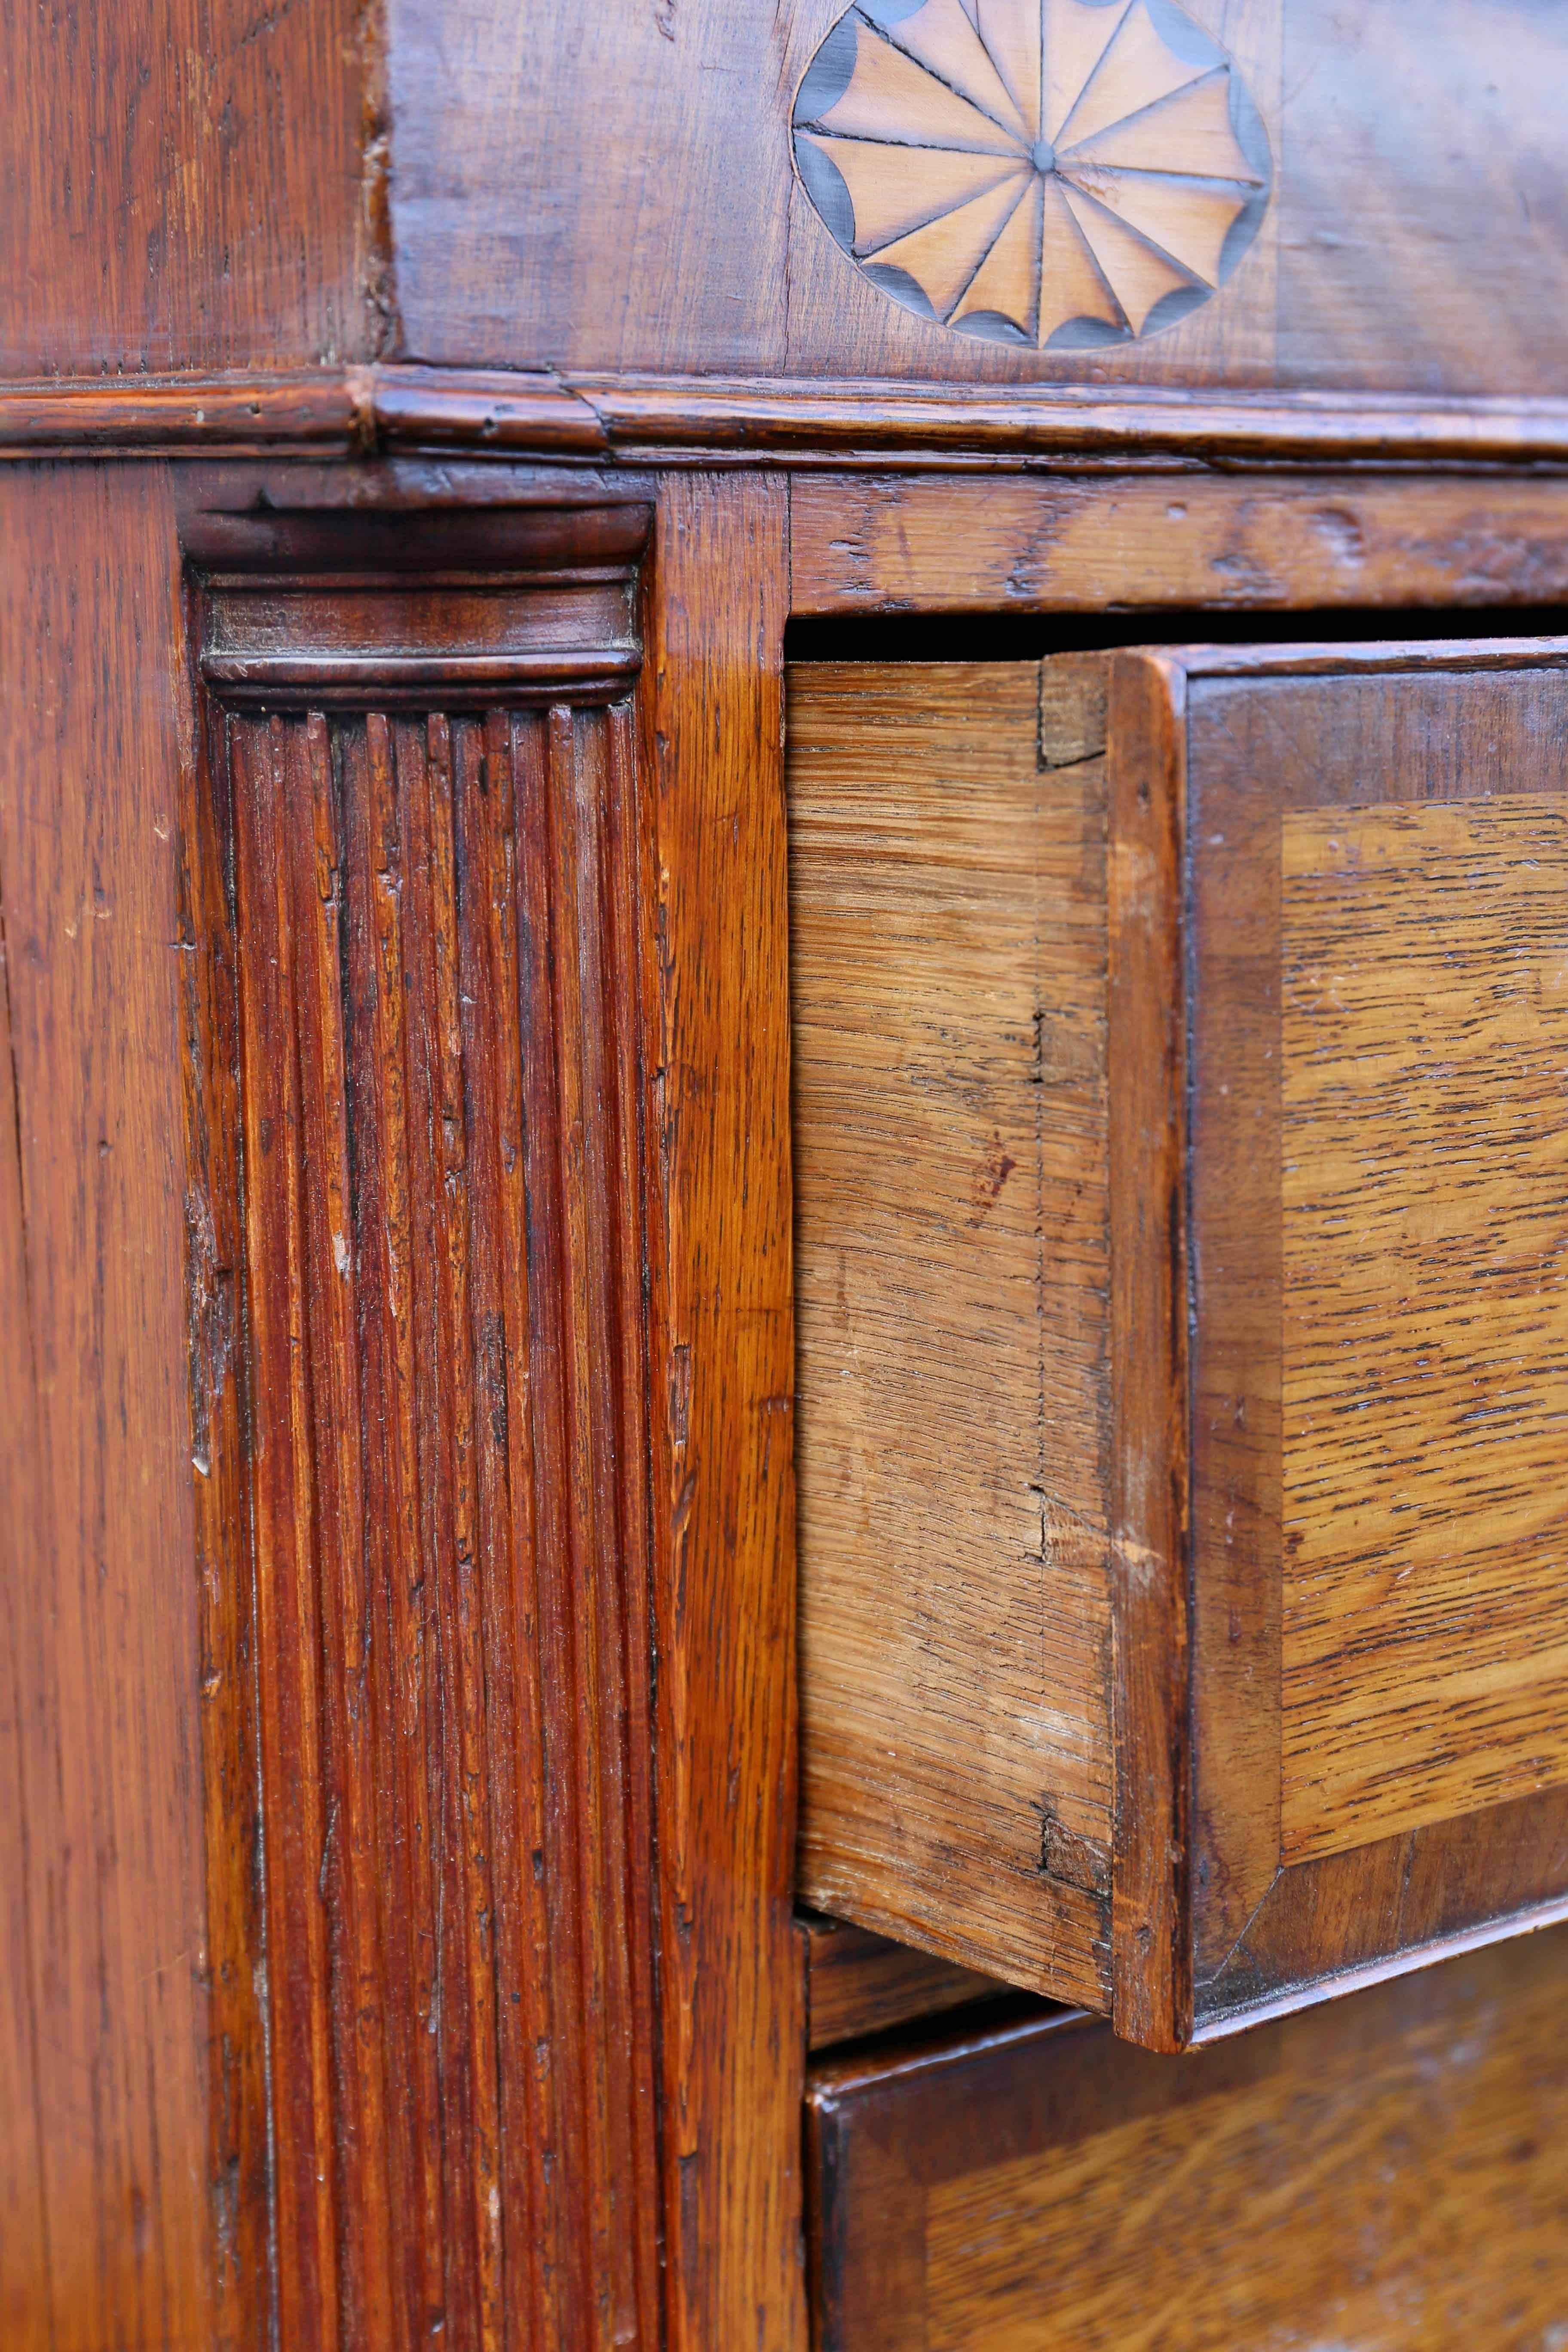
(396, 681)
(766, 420)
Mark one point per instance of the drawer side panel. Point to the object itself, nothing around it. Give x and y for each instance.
(948, 986)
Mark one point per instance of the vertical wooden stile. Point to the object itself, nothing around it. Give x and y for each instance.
(435, 925)
(1147, 1045)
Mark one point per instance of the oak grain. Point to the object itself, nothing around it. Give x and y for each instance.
(1425, 1626)
(1228, 543)
(193, 186)
(102, 1611)
(722, 1384)
(1388, 2173)
(433, 1056)
(948, 1002)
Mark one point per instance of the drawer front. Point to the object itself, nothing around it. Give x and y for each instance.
(1390, 2173)
(1183, 1181)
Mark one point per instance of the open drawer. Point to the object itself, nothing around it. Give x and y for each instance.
(1182, 1162)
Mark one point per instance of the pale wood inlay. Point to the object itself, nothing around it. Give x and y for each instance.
(1005, 283)
(940, 255)
(1137, 70)
(1068, 263)
(1425, 964)
(1076, 41)
(942, 35)
(1193, 129)
(1137, 276)
(1185, 219)
(897, 189)
(1153, 143)
(890, 96)
(1013, 34)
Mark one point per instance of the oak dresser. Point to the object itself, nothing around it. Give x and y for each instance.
(784, 1207)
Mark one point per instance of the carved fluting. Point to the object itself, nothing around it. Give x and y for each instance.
(433, 931)
(1054, 172)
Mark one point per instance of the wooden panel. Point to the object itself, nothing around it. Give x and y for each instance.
(195, 183)
(858, 1983)
(551, 161)
(109, 2233)
(1421, 125)
(724, 1376)
(948, 1010)
(570, 193)
(1349, 1617)
(1425, 1319)
(438, 1014)
(1015, 545)
(1388, 2173)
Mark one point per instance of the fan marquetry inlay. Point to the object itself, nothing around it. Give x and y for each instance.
(1054, 172)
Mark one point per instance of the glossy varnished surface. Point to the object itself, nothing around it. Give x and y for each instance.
(1229, 543)
(722, 1398)
(432, 949)
(202, 189)
(111, 2227)
(194, 185)
(1387, 2173)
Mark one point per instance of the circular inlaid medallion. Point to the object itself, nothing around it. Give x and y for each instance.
(1054, 172)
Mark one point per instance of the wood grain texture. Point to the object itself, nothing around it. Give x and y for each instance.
(572, 196)
(1425, 1623)
(193, 186)
(948, 1004)
(1016, 220)
(1284, 1353)
(113, 2223)
(1409, 744)
(1146, 1056)
(1306, 1375)
(240, 2156)
(1387, 2173)
(731, 1986)
(807, 423)
(1230, 544)
(515, 221)
(433, 931)
(1475, 98)
(807, 419)
(26, 2285)
(858, 1983)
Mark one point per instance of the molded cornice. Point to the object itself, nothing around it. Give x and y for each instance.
(676, 420)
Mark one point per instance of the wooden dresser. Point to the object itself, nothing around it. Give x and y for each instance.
(784, 1226)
